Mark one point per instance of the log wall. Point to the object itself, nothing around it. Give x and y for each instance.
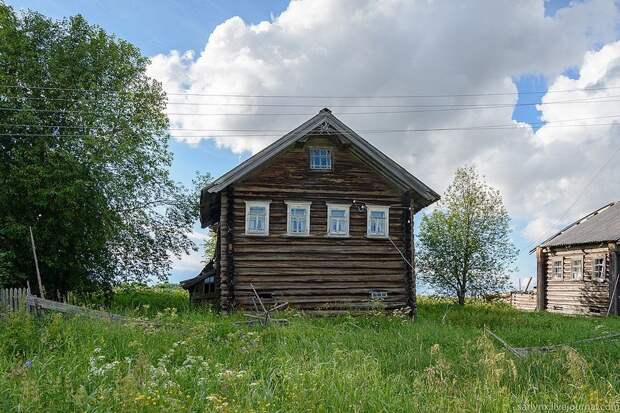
(585, 296)
(316, 272)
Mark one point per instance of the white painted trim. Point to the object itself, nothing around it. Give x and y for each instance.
(297, 204)
(604, 272)
(347, 208)
(580, 258)
(331, 156)
(386, 209)
(248, 205)
(561, 261)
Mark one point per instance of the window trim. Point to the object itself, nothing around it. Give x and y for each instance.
(384, 208)
(331, 159)
(347, 209)
(257, 203)
(297, 204)
(604, 271)
(561, 261)
(572, 259)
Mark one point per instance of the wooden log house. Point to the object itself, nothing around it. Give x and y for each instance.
(320, 218)
(577, 268)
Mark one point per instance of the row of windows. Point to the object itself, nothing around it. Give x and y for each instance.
(576, 268)
(298, 219)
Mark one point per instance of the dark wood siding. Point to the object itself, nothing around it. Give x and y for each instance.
(317, 272)
(585, 296)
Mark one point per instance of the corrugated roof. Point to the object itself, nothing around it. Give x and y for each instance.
(599, 226)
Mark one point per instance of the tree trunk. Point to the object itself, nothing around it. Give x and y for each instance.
(461, 297)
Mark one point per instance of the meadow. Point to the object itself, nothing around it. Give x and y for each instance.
(195, 360)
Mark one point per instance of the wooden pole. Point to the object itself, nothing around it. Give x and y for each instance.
(36, 264)
(614, 278)
(541, 280)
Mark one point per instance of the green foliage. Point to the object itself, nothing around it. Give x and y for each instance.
(375, 362)
(91, 173)
(464, 245)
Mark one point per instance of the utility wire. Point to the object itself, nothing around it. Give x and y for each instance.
(13, 134)
(26, 125)
(297, 105)
(583, 191)
(442, 109)
(322, 96)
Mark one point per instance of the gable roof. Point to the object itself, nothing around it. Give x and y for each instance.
(325, 122)
(602, 225)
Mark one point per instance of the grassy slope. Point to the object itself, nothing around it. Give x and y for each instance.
(203, 362)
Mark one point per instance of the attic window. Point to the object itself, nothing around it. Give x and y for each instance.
(321, 159)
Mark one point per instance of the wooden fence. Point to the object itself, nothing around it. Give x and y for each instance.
(13, 299)
(523, 300)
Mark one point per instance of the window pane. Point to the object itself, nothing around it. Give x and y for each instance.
(320, 158)
(298, 220)
(257, 210)
(338, 213)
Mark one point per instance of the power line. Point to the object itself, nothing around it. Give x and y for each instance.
(442, 109)
(581, 193)
(296, 105)
(239, 95)
(29, 125)
(505, 127)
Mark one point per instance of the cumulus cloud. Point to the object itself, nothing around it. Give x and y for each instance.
(371, 48)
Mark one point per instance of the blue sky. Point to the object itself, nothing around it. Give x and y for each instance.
(157, 27)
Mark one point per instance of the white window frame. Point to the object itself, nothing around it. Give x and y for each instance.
(560, 275)
(379, 208)
(260, 204)
(330, 208)
(573, 267)
(297, 204)
(330, 158)
(604, 269)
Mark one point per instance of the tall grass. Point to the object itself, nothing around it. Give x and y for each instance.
(200, 361)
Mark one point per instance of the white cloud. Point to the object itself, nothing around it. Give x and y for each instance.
(354, 47)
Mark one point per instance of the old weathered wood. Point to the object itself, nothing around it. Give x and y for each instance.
(585, 295)
(36, 264)
(614, 278)
(13, 299)
(541, 280)
(319, 272)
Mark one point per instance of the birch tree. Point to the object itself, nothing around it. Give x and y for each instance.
(465, 247)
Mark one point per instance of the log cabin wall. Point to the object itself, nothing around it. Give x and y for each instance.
(583, 296)
(316, 271)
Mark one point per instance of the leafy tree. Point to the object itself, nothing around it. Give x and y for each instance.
(84, 158)
(464, 245)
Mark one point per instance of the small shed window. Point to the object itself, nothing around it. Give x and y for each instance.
(298, 218)
(558, 269)
(257, 217)
(598, 268)
(576, 267)
(378, 221)
(378, 295)
(321, 159)
(338, 220)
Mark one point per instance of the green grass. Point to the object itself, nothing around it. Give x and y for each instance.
(200, 361)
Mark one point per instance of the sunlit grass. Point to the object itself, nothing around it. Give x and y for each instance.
(200, 361)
